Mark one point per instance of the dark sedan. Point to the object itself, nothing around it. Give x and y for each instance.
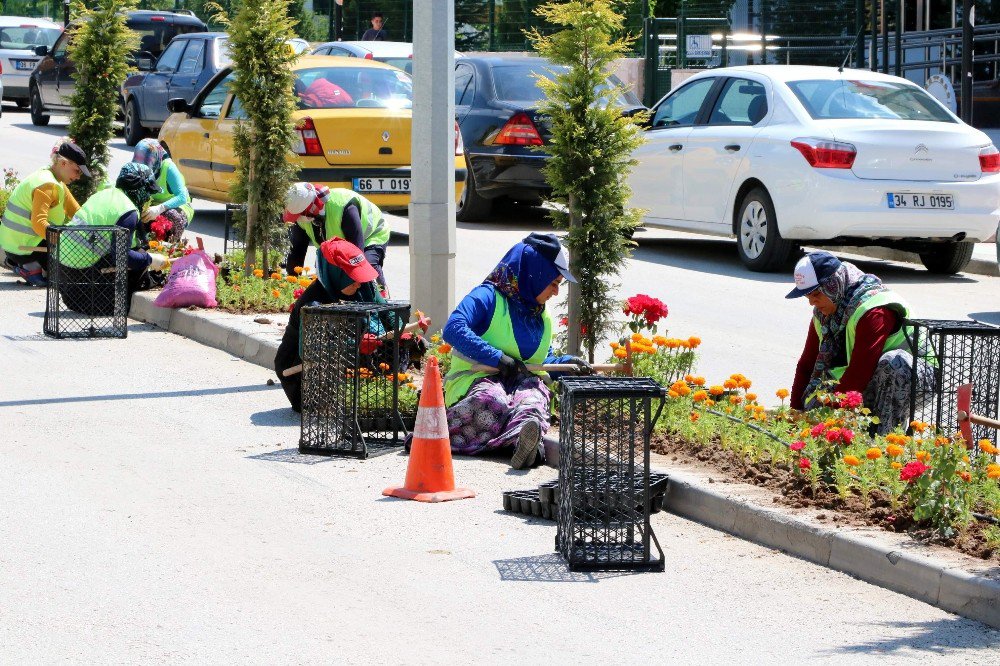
(187, 64)
(496, 102)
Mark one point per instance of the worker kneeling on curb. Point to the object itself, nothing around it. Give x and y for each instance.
(81, 258)
(172, 202)
(503, 324)
(856, 340)
(344, 274)
(319, 213)
(39, 200)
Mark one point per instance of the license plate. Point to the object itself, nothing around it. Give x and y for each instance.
(24, 65)
(383, 185)
(918, 200)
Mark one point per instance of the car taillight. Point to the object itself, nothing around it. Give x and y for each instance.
(308, 143)
(459, 146)
(519, 131)
(158, 19)
(989, 159)
(369, 56)
(823, 154)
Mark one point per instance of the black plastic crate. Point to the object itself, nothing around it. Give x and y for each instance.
(231, 229)
(350, 399)
(605, 485)
(960, 352)
(87, 295)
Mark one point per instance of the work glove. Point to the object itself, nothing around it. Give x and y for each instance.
(369, 344)
(582, 366)
(158, 262)
(423, 323)
(153, 212)
(510, 368)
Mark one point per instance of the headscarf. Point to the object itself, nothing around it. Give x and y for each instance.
(522, 275)
(848, 287)
(137, 182)
(151, 153)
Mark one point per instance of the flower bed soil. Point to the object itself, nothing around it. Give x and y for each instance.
(795, 491)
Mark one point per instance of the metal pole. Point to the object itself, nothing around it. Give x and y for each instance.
(493, 25)
(873, 59)
(899, 38)
(432, 198)
(338, 30)
(331, 29)
(859, 26)
(885, 38)
(967, 19)
(65, 12)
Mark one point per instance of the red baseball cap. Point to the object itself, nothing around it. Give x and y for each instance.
(348, 258)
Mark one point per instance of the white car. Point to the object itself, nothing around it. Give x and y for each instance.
(19, 37)
(397, 54)
(780, 156)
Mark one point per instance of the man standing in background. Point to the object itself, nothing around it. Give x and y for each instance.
(375, 33)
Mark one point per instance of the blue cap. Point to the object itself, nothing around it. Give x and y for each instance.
(811, 270)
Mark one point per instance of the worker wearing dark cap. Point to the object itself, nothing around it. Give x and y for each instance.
(503, 324)
(39, 200)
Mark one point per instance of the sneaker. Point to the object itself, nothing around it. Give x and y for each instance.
(34, 278)
(527, 446)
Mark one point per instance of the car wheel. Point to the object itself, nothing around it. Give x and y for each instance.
(471, 206)
(948, 258)
(22, 103)
(133, 132)
(38, 116)
(758, 241)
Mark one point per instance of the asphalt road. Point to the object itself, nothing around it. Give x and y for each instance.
(744, 320)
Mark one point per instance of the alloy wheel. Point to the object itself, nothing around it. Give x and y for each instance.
(753, 229)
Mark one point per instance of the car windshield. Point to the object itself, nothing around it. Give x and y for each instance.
(27, 37)
(518, 83)
(825, 100)
(154, 37)
(223, 58)
(338, 87)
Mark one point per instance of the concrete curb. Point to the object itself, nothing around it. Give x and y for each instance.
(978, 265)
(850, 551)
(853, 552)
(253, 342)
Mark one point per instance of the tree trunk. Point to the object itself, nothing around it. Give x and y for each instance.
(573, 333)
(251, 240)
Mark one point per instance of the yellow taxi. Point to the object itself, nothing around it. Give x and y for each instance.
(352, 126)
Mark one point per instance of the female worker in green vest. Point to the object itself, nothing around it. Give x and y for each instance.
(857, 341)
(39, 200)
(172, 202)
(503, 324)
(83, 256)
(320, 213)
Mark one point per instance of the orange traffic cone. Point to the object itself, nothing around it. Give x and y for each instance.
(429, 475)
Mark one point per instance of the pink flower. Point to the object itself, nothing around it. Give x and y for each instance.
(912, 471)
(804, 464)
(851, 400)
(833, 435)
(817, 429)
(298, 292)
(797, 446)
(847, 435)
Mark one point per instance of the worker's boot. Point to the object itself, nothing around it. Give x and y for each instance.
(527, 445)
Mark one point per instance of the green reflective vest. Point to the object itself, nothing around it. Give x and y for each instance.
(500, 334)
(898, 340)
(15, 225)
(375, 229)
(165, 194)
(80, 248)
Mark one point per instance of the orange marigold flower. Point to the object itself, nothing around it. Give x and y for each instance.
(965, 476)
(672, 393)
(403, 377)
(276, 293)
(659, 340)
(620, 353)
(965, 459)
(695, 416)
(745, 384)
(304, 282)
(730, 384)
(258, 273)
(782, 393)
(710, 403)
(923, 456)
(986, 446)
(275, 276)
(615, 345)
(636, 337)
(736, 399)
(700, 396)
(873, 453)
(896, 465)
(698, 381)
(894, 450)
(851, 461)
(672, 343)
(689, 379)
(918, 426)
(298, 270)
(716, 390)
(752, 397)
(292, 279)
(411, 386)
(694, 341)
(383, 366)
(445, 348)
(153, 244)
(993, 471)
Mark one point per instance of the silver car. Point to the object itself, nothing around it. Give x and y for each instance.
(19, 36)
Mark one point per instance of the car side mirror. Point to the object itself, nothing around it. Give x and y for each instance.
(178, 105)
(41, 50)
(145, 63)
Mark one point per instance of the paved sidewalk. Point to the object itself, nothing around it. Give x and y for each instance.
(155, 509)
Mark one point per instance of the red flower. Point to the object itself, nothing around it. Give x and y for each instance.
(851, 400)
(817, 429)
(912, 471)
(189, 250)
(652, 309)
(564, 321)
(833, 435)
(804, 464)
(160, 227)
(298, 292)
(797, 446)
(846, 435)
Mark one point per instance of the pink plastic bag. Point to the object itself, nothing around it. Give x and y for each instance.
(191, 282)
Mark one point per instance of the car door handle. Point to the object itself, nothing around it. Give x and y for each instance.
(676, 147)
(733, 147)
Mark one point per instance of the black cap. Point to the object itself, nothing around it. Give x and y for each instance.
(75, 154)
(549, 247)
